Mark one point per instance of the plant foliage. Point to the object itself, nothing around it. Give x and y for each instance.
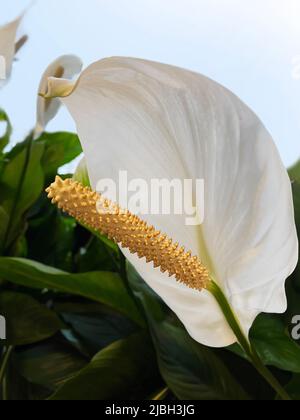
(80, 326)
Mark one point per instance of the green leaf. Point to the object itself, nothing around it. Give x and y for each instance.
(274, 344)
(103, 287)
(19, 389)
(125, 370)
(98, 330)
(96, 255)
(50, 363)
(60, 149)
(59, 231)
(21, 182)
(81, 174)
(294, 172)
(191, 371)
(27, 320)
(293, 388)
(4, 140)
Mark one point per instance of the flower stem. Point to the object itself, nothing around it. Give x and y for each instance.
(248, 348)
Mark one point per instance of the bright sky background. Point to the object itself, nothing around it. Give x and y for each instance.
(250, 46)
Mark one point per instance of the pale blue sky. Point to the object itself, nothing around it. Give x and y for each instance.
(247, 45)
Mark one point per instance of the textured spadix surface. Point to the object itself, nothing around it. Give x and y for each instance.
(129, 231)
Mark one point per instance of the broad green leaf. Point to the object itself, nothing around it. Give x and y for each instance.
(50, 363)
(27, 320)
(163, 322)
(4, 140)
(274, 344)
(191, 371)
(103, 287)
(125, 370)
(60, 149)
(21, 182)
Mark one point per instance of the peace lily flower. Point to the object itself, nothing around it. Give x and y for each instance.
(9, 46)
(66, 67)
(162, 122)
(157, 121)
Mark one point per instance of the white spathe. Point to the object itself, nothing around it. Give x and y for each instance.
(158, 121)
(8, 47)
(65, 67)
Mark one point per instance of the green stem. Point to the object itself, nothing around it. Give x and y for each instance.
(161, 395)
(4, 365)
(248, 348)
